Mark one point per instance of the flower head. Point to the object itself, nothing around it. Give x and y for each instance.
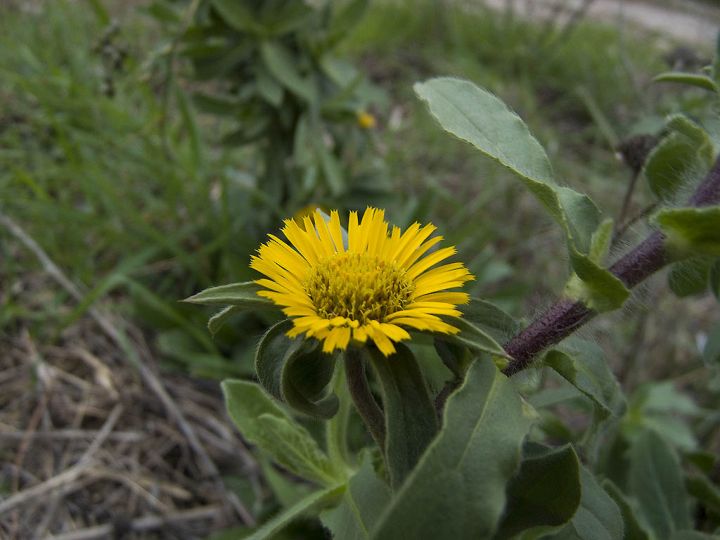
(368, 283)
(366, 120)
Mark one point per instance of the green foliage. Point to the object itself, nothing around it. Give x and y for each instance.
(410, 417)
(691, 231)
(583, 365)
(264, 423)
(478, 117)
(280, 87)
(364, 500)
(689, 79)
(634, 530)
(657, 484)
(691, 276)
(307, 505)
(243, 295)
(544, 493)
(296, 372)
(681, 158)
(474, 338)
(597, 518)
(479, 444)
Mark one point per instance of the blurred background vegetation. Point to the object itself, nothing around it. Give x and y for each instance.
(149, 146)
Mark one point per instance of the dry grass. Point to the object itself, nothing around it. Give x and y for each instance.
(93, 445)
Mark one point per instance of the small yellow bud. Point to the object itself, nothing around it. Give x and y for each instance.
(366, 120)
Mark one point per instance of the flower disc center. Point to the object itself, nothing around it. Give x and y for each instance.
(360, 287)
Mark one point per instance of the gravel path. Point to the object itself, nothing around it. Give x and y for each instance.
(684, 20)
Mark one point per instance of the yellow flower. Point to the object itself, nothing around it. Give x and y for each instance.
(368, 283)
(366, 120)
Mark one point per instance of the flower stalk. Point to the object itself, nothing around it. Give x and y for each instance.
(362, 397)
(565, 316)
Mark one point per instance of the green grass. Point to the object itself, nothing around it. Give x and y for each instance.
(114, 190)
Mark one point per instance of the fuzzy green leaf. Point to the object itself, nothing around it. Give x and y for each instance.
(218, 320)
(305, 378)
(474, 338)
(244, 295)
(307, 505)
(597, 288)
(697, 134)
(264, 423)
(690, 276)
(597, 518)
(296, 371)
(364, 500)
(545, 491)
(688, 79)
(590, 283)
(634, 530)
(714, 278)
(292, 446)
(711, 351)
(410, 416)
(691, 231)
(477, 451)
(270, 357)
(283, 66)
(673, 163)
(478, 117)
(705, 491)
(238, 16)
(693, 535)
(583, 365)
(490, 318)
(656, 482)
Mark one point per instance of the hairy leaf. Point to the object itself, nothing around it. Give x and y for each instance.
(217, 321)
(634, 530)
(315, 500)
(238, 16)
(691, 231)
(264, 423)
(474, 338)
(410, 416)
(477, 451)
(674, 162)
(690, 276)
(583, 365)
(597, 518)
(545, 491)
(364, 500)
(688, 79)
(657, 484)
(283, 66)
(296, 371)
(243, 295)
(478, 117)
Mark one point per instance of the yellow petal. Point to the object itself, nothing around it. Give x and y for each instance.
(336, 231)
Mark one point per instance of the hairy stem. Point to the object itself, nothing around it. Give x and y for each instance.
(363, 399)
(565, 316)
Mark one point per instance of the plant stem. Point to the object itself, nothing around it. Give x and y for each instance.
(363, 399)
(565, 316)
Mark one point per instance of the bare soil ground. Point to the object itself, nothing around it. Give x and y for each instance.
(94, 442)
(681, 20)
